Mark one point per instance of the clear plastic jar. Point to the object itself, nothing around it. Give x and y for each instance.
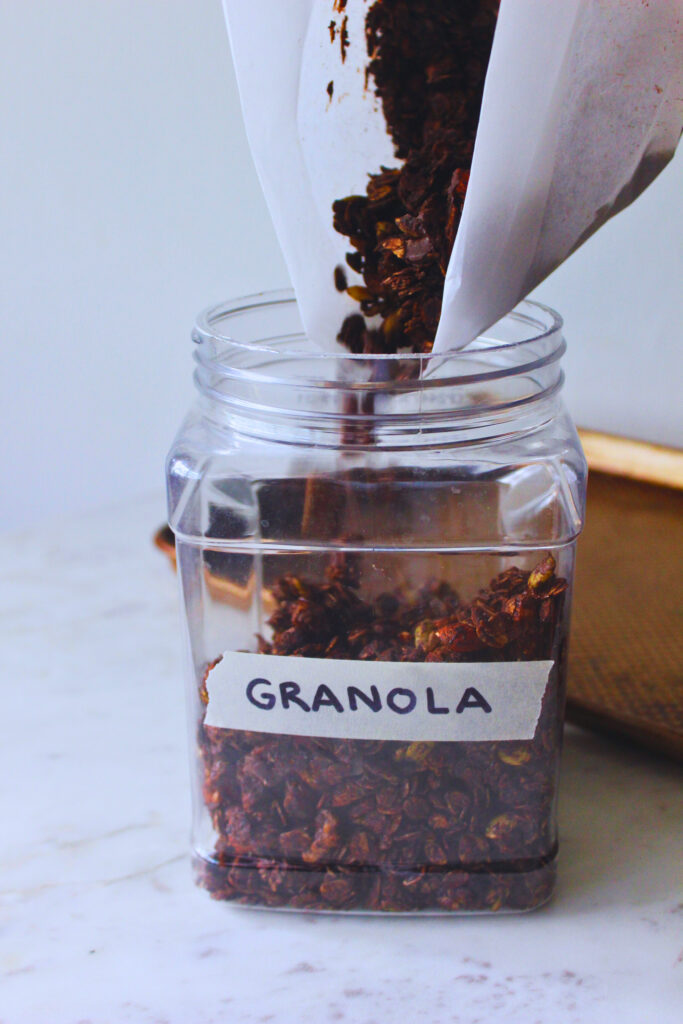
(376, 558)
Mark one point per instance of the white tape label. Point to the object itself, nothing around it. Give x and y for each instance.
(377, 700)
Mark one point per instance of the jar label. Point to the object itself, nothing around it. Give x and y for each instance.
(377, 700)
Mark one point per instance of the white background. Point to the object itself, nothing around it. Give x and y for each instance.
(129, 202)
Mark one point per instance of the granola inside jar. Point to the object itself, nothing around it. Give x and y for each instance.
(376, 557)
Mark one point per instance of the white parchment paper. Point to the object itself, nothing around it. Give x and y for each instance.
(583, 106)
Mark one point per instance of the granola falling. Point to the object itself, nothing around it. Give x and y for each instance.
(430, 83)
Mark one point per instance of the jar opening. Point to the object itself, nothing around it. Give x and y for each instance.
(255, 365)
(250, 330)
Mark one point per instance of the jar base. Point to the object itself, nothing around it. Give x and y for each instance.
(262, 883)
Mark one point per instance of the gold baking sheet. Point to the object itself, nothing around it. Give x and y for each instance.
(626, 648)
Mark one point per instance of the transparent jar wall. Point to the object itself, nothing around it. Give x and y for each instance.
(467, 826)
(340, 824)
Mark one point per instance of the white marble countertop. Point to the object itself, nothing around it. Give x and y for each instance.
(99, 919)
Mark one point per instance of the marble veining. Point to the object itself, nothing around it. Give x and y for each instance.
(99, 919)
